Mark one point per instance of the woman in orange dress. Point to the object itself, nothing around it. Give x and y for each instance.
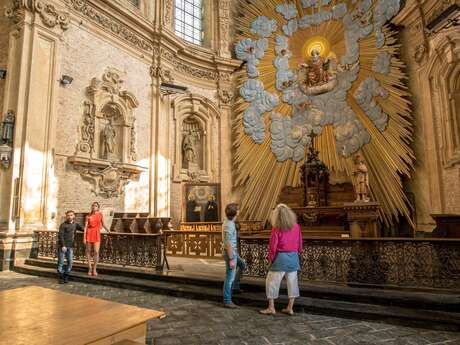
(92, 236)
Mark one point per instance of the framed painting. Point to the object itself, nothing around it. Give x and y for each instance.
(201, 202)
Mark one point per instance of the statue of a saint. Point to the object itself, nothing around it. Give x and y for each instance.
(361, 180)
(315, 76)
(317, 69)
(189, 148)
(108, 139)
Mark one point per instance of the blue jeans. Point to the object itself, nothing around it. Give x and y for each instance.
(68, 255)
(232, 276)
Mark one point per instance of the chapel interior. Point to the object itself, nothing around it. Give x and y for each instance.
(165, 111)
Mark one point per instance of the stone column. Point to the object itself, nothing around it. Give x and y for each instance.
(31, 93)
(362, 217)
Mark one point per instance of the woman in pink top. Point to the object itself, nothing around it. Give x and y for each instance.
(283, 255)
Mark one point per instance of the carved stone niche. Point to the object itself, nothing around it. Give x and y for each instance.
(445, 72)
(106, 152)
(196, 121)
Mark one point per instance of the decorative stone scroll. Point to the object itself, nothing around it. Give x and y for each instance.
(168, 12)
(49, 14)
(106, 152)
(224, 28)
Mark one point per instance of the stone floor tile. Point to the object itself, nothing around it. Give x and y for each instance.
(207, 323)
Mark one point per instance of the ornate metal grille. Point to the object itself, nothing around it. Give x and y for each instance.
(433, 263)
(125, 249)
(204, 244)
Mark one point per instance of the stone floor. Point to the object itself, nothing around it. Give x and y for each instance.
(199, 322)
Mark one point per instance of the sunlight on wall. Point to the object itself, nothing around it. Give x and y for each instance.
(136, 196)
(51, 203)
(32, 198)
(163, 187)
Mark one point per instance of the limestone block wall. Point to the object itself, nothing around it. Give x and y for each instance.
(86, 56)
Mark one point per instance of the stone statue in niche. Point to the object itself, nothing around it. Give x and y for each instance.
(108, 140)
(189, 148)
(361, 180)
(106, 152)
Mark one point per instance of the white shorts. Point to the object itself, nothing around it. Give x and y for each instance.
(273, 282)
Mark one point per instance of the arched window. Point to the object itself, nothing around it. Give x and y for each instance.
(188, 17)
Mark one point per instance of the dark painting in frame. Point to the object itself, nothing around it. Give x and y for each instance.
(201, 202)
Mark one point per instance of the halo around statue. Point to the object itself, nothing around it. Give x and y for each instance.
(327, 67)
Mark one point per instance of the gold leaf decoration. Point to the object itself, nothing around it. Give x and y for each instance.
(261, 177)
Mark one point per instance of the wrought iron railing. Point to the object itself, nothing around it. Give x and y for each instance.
(125, 249)
(415, 263)
(245, 226)
(204, 244)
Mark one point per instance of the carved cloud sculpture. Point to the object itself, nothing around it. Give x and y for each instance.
(329, 107)
(325, 67)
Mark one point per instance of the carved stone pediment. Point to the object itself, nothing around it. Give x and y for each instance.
(106, 152)
(108, 178)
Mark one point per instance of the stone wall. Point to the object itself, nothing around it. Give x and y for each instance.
(433, 65)
(86, 56)
(5, 28)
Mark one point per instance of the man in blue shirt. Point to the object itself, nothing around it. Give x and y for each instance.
(233, 263)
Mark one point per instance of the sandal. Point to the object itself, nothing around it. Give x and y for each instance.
(267, 312)
(287, 311)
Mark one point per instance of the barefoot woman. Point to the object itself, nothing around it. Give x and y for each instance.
(92, 236)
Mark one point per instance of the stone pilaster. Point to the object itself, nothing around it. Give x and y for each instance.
(32, 83)
(225, 95)
(160, 166)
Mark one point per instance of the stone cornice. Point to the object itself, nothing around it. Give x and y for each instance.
(163, 45)
(115, 26)
(195, 61)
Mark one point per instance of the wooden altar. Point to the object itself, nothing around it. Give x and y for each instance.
(326, 209)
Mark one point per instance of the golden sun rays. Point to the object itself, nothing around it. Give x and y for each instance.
(261, 177)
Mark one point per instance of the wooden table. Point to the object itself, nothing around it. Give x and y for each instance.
(34, 316)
